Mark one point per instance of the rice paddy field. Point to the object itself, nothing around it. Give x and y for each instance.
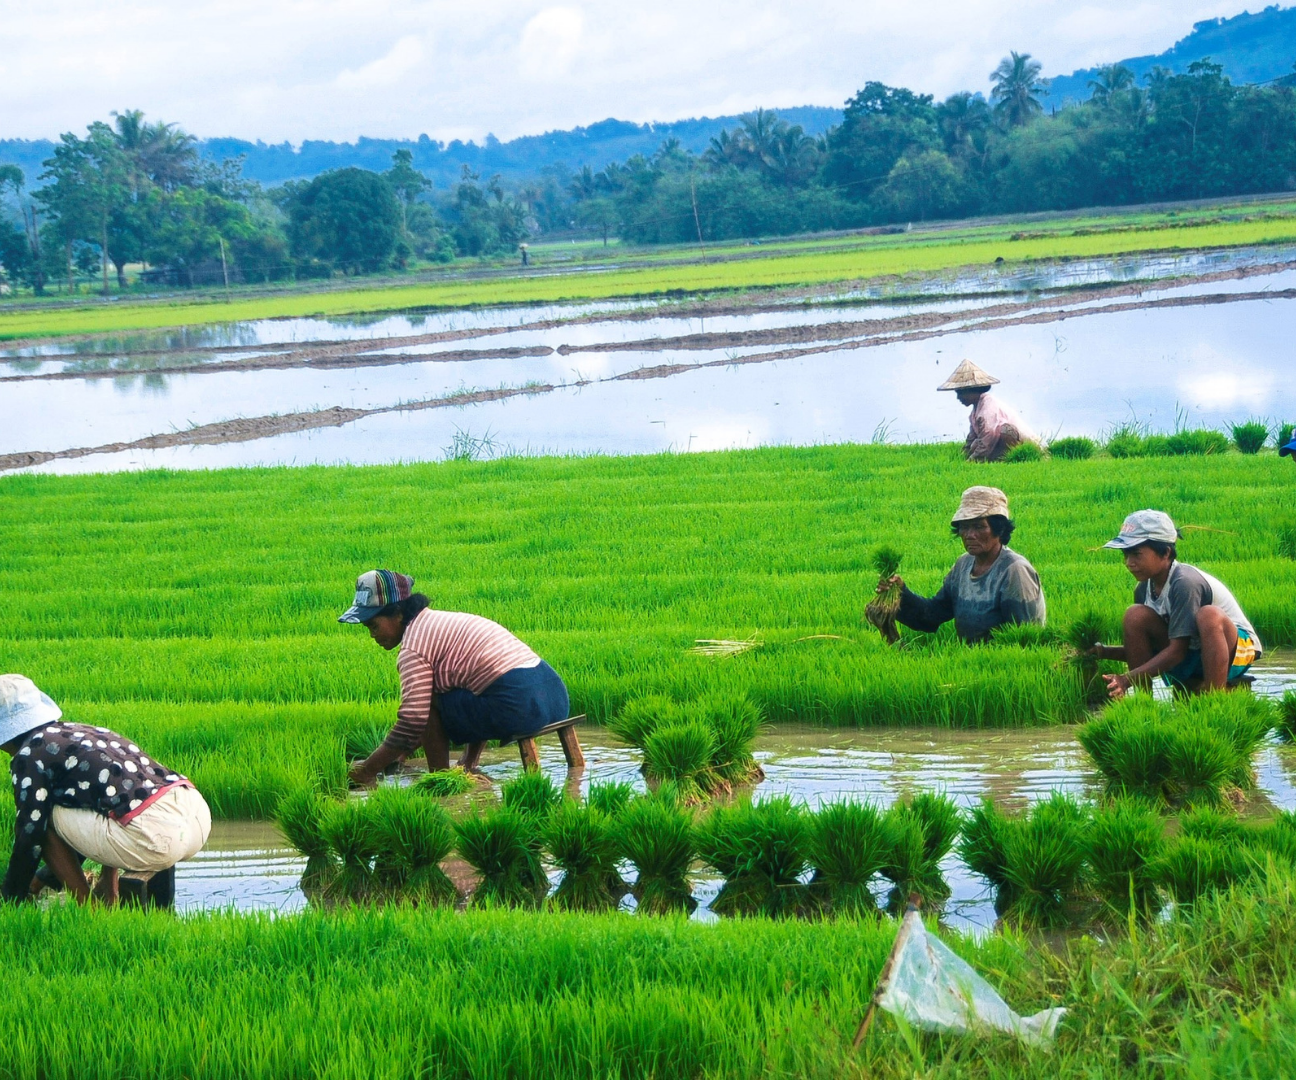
(729, 267)
(197, 611)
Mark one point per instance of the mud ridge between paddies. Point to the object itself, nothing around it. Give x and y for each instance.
(372, 352)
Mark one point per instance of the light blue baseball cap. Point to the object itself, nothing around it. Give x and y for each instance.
(1142, 526)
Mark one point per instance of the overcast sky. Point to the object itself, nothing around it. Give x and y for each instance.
(335, 69)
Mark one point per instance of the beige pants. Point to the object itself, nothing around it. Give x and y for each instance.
(170, 830)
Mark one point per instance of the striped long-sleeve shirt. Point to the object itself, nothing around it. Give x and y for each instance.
(448, 650)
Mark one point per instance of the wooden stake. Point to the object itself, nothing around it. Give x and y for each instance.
(915, 902)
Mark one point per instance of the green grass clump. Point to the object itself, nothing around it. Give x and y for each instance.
(503, 846)
(919, 833)
(1124, 844)
(982, 846)
(847, 847)
(610, 797)
(1195, 866)
(300, 816)
(445, 783)
(640, 717)
(1287, 541)
(1198, 441)
(762, 850)
(657, 836)
(1073, 448)
(1186, 753)
(735, 721)
(1044, 861)
(1022, 452)
(531, 793)
(583, 846)
(1285, 724)
(411, 837)
(681, 754)
(349, 828)
(1249, 437)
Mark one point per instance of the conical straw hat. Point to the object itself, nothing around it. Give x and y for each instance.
(967, 376)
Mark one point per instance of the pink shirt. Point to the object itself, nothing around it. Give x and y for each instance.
(449, 650)
(989, 417)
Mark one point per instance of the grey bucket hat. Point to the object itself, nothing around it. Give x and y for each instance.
(23, 707)
(1142, 526)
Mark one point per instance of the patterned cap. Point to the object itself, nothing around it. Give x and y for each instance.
(376, 589)
(23, 707)
(1142, 526)
(981, 502)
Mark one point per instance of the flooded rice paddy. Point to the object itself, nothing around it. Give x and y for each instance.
(1078, 346)
(247, 865)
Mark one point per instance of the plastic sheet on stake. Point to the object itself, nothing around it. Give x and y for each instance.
(935, 990)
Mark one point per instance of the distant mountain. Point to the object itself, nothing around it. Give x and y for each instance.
(595, 145)
(1252, 49)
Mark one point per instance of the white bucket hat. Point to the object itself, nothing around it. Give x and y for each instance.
(23, 707)
(981, 502)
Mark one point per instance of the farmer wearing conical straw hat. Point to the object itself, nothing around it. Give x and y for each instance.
(989, 586)
(994, 428)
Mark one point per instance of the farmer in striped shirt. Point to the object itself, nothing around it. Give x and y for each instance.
(463, 678)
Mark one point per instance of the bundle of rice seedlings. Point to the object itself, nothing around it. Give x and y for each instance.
(1250, 437)
(735, 721)
(656, 836)
(349, 829)
(636, 719)
(1072, 448)
(364, 739)
(1285, 724)
(411, 837)
(1124, 845)
(681, 753)
(610, 797)
(848, 845)
(1085, 632)
(982, 847)
(1044, 861)
(582, 844)
(1245, 720)
(300, 815)
(503, 846)
(1025, 451)
(762, 849)
(919, 835)
(1198, 441)
(1208, 823)
(445, 783)
(531, 794)
(1193, 866)
(883, 608)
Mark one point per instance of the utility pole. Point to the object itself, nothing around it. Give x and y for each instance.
(696, 220)
(104, 253)
(224, 268)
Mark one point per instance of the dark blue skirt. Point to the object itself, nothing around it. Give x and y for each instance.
(520, 702)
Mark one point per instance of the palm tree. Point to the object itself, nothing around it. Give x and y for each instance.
(1112, 80)
(1017, 86)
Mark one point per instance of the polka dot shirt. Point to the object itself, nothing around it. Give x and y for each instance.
(78, 766)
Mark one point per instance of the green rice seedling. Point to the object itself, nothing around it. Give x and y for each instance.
(1044, 861)
(610, 797)
(412, 836)
(1194, 866)
(735, 721)
(982, 845)
(1208, 823)
(1245, 720)
(681, 753)
(1084, 632)
(1072, 448)
(1285, 723)
(883, 608)
(1124, 845)
(581, 841)
(445, 783)
(300, 815)
(532, 794)
(1126, 441)
(1250, 437)
(1198, 441)
(638, 718)
(920, 833)
(1287, 541)
(349, 828)
(1025, 451)
(848, 845)
(762, 849)
(1155, 445)
(364, 739)
(503, 846)
(657, 837)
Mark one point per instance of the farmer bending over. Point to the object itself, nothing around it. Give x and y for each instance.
(989, 586)
(464, 679)
(1184, 624)
(88, 793)
(994, 427)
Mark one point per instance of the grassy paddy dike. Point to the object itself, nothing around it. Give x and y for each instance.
(631, 273)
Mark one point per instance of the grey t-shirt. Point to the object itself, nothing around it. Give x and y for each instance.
(1009, 592)
(1187, 590)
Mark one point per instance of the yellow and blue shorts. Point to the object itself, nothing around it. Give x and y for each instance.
(1190, 667)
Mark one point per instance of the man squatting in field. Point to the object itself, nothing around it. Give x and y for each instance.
(86, 792)
(994, 426)
(463, 678)
(1184, 624)
(989, 586)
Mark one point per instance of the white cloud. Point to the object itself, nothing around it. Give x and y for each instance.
(335, 69)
